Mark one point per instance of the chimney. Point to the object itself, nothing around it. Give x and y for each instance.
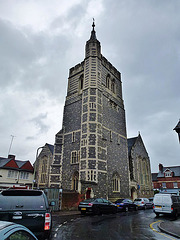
(160, 167)
(11, 156)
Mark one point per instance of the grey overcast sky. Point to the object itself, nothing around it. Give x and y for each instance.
(41, 40)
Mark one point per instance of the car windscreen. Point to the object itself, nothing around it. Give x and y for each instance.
(89, 200)
(137, 200)
(119, 201)
(21, 202)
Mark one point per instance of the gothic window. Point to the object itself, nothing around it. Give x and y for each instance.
(175, 185)
(164, 185)
(81, 83)
(74, 157)
(113, 86)
(116, 183)
(73, 137)
(110, 133)
(75, 181)
(108, 81)
(91, 175)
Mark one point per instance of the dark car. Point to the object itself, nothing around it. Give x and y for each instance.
(125, 204)
(27, 207)
(97, 206)
(13, 231)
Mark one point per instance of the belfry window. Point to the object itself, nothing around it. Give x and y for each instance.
(108, 81)
(81, 83)
(113, 86)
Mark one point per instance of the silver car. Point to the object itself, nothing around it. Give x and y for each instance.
(143, 203)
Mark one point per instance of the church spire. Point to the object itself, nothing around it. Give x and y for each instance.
(93, 32)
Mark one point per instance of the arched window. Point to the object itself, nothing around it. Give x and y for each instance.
(75, 181)
(81, 83)
(116, 183)
(113, 86)
(108, 81)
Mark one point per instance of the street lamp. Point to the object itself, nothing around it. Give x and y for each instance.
(177, 129)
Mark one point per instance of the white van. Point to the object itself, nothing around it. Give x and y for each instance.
(166, 204)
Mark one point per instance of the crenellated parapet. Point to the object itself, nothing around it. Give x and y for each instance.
(76, 69)
(111, 68)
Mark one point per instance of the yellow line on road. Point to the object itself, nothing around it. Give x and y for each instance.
(151, 226)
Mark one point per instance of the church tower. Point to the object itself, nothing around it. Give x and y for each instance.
(91, 153)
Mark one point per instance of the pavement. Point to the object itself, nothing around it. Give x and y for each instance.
(170, 227)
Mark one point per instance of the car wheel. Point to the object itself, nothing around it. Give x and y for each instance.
(114, 210)
(126, 209)
(97, 211)
(175, 214)
(157, 214)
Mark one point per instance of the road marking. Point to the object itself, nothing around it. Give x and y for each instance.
(55, 235)
(60, 225)
(57, 229)
(151, 226)
(64, 222)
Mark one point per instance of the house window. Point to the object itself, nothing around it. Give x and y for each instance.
(12, 174)
(164, 185)
(24, 175)
(116, 183)
(74, 157)
(175, 185)
(168, 174)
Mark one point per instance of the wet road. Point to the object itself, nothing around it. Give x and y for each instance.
(140, 225)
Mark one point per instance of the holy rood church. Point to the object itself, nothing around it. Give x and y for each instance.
(91, 149)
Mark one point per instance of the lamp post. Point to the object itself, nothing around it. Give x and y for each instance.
(177, 129)
(36, 178)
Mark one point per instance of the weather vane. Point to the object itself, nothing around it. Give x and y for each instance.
(93, 25)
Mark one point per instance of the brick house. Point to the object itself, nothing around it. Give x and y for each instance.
(15, 172)
(140, 169)
(167, 179)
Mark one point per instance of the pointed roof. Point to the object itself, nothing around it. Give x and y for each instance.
(177, 128)
(51, 147)
(9, 163)
(93, 32)
(131, 142)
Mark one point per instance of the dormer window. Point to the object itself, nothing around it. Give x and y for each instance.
(168, 174)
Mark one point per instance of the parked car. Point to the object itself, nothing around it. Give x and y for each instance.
(166, 204)
(143, 203)
(151, 201)
(125, 204)
(97, 206)
(13, 231)
(27, 207)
